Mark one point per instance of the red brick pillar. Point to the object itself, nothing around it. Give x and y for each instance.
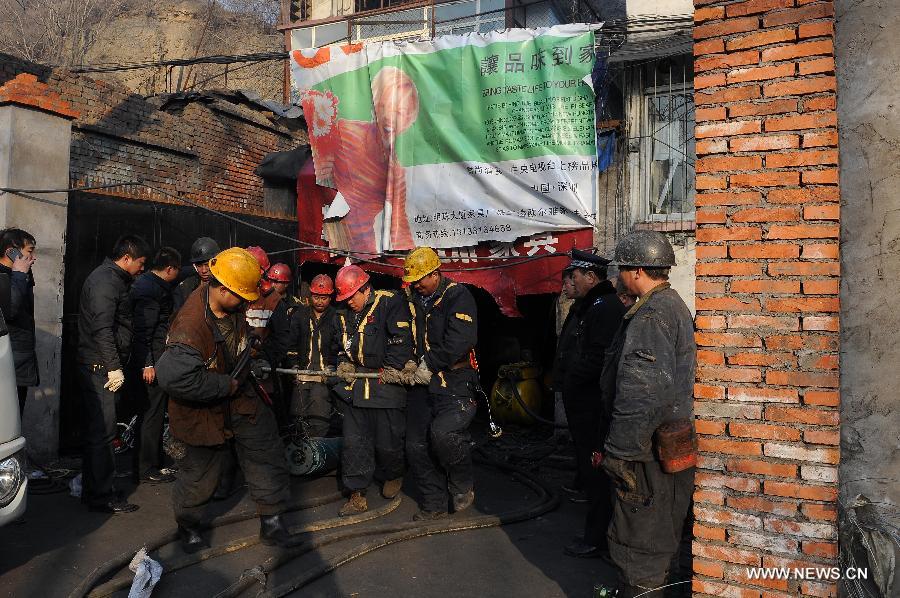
(767, 295)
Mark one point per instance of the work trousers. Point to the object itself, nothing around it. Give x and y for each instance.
(373, 446)
(261, 457)
(312, 402)
(584, 425)
(438, 445)
(645, 532)
(151, 410)
(22, 391)
(583, 418)
(98, 465)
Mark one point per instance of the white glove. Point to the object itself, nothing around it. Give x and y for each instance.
(116, 379)
(423, 374)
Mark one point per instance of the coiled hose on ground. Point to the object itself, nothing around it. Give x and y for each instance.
(170, 536)
(124, 580)
(548, 501)
(388, 534)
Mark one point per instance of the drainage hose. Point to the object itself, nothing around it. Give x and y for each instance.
(529, 410)
(124, 580)
(170, 536)
(390, 534)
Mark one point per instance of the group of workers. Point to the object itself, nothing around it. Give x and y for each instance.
(399, 368)
(625, 369)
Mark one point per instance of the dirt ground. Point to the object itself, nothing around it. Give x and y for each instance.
(59, 543)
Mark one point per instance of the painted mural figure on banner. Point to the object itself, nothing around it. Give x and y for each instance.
(372, 182)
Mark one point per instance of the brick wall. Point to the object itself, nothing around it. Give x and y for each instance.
(206, 152)
(767, 295)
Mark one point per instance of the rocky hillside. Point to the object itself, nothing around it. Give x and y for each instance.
(145, 30)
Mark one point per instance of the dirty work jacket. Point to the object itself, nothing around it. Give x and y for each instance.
(151, 298)
(446, 331)
(378, 336)
(650, 369)
(317, 342)
(596, 319)
(20, 321)
(194, 371)
(105, 319)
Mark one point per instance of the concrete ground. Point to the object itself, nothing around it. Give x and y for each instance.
(59, 543)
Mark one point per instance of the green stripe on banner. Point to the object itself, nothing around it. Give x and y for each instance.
(504, 101)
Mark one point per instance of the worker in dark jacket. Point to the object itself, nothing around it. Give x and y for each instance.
(203, 250)
(208, 407)
(596, 320)
(16, 260)
(104, 346)
(649, 372)
(378, 340)
(317, 334)
(565, 346)
(151, 296)
(441, 403)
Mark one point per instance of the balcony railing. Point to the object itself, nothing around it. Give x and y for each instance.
(423, 20)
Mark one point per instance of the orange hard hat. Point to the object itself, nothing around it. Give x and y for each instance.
(279, 273)
(349, 279)
(321, 285)
(261, 257)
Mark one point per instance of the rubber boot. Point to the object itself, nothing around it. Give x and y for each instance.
(272, 531)
(461, 502)
(392, 488)
(356, 505)
(191, 540)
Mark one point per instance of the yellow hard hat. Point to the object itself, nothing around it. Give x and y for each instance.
(238, 271)
(419, 263)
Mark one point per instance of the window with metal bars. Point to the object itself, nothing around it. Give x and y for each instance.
(670, 145)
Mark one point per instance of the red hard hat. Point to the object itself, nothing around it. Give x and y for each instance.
(279, 273)
(260, 254)
(349, 279)
(321, 285)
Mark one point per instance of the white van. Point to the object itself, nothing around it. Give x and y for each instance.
(13, 481)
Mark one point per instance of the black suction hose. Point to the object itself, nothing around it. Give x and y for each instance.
(391, 534)
(528, 409)
(123, 581)
(170, 536)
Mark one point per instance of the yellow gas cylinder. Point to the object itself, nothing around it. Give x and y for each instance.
(522, 377)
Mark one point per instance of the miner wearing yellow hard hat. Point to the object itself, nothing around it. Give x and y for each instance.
(209, 409)
(441, 403)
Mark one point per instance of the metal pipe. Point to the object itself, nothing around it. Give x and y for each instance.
(296, 372)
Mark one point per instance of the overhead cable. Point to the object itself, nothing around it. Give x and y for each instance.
(305, 246)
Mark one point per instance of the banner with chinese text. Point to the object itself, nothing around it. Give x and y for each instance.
(455, 141)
